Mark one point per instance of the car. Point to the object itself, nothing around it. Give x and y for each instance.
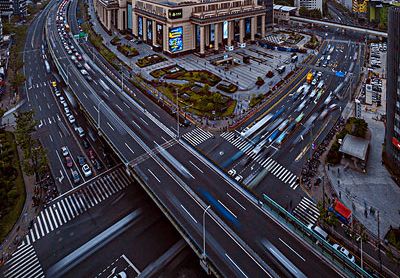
(68, 161)
(54, 83)
(98, 165)
(75, 176)
(79, 65)
(91, 154)
(319, 74)
(74, 50)
(121, 274)
(84, 72)
(86, 170)
(85, 144)
(64, 151)
(72, 47)
(232, 172)
(67, 111)
(238, 178)
(81, 160)
(73, 58)
(57, 93)
(69, 52)
(71, 119)
(88, 78)
(79, 57)
(314, 82)
(344, 251)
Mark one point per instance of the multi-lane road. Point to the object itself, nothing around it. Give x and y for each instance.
(242, 238)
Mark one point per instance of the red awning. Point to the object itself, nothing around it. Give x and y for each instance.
(342, 209)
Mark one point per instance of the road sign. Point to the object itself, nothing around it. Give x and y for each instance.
(80, 21)
(339, 73)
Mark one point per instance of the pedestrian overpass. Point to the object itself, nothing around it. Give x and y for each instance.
(340, 26)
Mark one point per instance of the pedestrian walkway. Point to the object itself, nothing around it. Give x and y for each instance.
(197, 136)
(67, 208)
(24, 263)
(306, 211)
(275, 168)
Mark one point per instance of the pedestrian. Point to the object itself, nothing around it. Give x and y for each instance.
(340, 194)
(328, 167)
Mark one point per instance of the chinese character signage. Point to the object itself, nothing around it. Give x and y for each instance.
(174, 14)
(175, 39)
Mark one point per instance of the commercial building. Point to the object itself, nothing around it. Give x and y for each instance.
(282, 14)
(309, 4)
(6, 7)
(20, 7)
(182, 26)
(392, 136)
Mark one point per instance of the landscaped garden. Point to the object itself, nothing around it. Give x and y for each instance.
(115, 40)
(167, 70)
(227, 87)
(202, 76)
(150, 60)
(127, 50)
(12, 188)
(200, 98)
(312, 43)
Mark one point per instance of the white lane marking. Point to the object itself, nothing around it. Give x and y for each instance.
(118, 107)
(76, 83)
(196, 167)
(126, 104)
(236, 265)
(60, 134)
(40, 108)
(235, 201)
(156, 114)
(110, 126)
(292, 249)
(95, 108)
(188, 213)
(84, 94)
(164, 139)
(281, 259)
(48, 105)
(154, 175)
(227, 208)
(129, 148)
(130, 263)
(136, 124)
(51, 138)
(95, 82)
(144, 121)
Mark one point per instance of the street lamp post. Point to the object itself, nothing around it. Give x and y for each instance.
(98, 114)
(204, 232)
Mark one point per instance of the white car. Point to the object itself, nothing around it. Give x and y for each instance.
(71, 119)
(86, 170)
(345, 252)
(122, 274)
(64, 151)
(238, 178)
(232, 172)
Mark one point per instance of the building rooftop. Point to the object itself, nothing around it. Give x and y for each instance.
(284, 8)
(354, 146)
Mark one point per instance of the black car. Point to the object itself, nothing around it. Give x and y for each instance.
(81, 160)
(97, 164)
(85, 144)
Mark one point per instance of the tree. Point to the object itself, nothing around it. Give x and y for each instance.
(205, 89)
(327, 217)
(17, 81)
(303, 11)
(35, 158)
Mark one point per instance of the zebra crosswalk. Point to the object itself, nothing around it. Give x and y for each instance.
(70, 206)
(23, 263)
(197, 136)
(306, 211)
(274, 167)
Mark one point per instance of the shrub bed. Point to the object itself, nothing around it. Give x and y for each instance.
(167, 70)
(202, 76)
(227, 89)
(150, 60)
(312, 43)
(115, 40)
(127, 50)
(270, 74)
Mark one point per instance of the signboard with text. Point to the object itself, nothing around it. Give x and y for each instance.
(396, 143)
(175, 14)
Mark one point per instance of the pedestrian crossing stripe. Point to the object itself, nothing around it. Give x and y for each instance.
(306, 211)
(69, 207)
(24, 263)
(197, 136)
(276, 169)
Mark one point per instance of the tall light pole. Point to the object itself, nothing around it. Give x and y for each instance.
(204, 232)
(98, 114)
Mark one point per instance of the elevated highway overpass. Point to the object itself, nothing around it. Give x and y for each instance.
(354, 28)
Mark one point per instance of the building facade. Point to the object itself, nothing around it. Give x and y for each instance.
(309, 4)
(20, 7)
(6, 7)
(392, 136)
(181, 26)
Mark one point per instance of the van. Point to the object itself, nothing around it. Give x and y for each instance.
(81, 132)
(47, 65)
(318, 231)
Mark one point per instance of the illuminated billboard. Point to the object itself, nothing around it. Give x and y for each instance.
(149, 29)
(175, 40)
(225, 29)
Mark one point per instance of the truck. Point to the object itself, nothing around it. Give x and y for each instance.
(309, 78)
